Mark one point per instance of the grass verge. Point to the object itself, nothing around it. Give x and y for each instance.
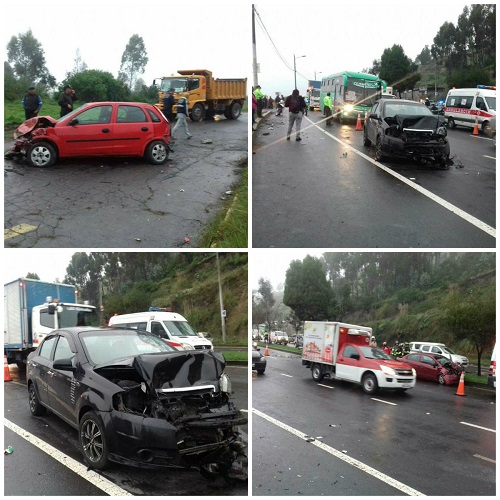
(229, 229)
(235, 355)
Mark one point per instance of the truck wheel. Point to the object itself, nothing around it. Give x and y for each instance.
(36, 408)
(41, 154)
(369, 382)
(198, 112)
(234, 111)
(93, 441)
(317, 372)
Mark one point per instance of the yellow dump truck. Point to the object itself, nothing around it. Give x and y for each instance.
(207, 96)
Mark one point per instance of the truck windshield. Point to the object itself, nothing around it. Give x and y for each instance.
(176, 84)
(78, 316)
(373, 353)
(180, 328)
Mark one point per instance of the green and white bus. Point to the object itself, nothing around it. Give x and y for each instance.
(351, 93)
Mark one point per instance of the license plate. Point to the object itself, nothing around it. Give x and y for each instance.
(406, 386)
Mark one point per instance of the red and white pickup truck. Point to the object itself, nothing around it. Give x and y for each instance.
(342, 351)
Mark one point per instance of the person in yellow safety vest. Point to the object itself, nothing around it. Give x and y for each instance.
(259, 95)
(327, 105)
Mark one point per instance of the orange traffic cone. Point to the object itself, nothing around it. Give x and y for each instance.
(358, 123)
(461, 385)
(476, 127)
(6, 372)
(266, 353)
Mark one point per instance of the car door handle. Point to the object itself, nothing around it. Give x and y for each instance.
(51, 373)
(144, 129)
(105, 130)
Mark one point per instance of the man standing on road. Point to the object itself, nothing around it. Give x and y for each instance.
(386, 348)
(66, 100)
(296, 107)
(168, 102)
(259, 96)
(327, 104)
(182, 113)
(32, 103)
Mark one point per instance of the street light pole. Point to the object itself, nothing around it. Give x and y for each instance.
(295, 68)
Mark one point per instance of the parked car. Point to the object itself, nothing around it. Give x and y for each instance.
(135, 400)
(259, 361)
(492, 372)
(406, 129)
(96, 129)
(438, 348)
(434, 367)
(281, 338)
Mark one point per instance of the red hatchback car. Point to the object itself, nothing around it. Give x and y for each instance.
(96, 129)
(433, 367)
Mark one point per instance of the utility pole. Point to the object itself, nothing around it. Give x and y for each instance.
(222, 310)
(254, 47)
(295, 69)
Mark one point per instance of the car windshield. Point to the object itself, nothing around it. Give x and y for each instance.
(492, 102)
(448, 350)
(180, 328)
(106, 347)
(65, 117)
(393, 108)
(373, 353)
(441, 359)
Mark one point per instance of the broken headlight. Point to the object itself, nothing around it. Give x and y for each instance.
(441, 132)
(225, 384)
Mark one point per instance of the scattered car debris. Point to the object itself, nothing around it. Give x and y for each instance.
(9, 450)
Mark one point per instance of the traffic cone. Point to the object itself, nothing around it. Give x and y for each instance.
(266, 353)
(476, 127)
(6, 372)
(461, 385)
(358, 123)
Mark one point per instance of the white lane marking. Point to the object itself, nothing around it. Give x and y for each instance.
(490, 157)
(342, 456)
(327, 386)
(485, 458)
(91, 476)
(244, 411)
(479, 427)
(445, 204)
(285, 375)
(386, 402)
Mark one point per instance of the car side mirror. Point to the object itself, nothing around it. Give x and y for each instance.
(64, 364)
(374, 116)
(74, 121)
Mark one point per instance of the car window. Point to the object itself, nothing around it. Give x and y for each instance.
(349, 350)
(426, 348)
(375, 109)
(63, 349)
(157, 329)
(413, 357)
(46, 347)
(437, 350)
(154, 117)
(131, 114)
(428, 360)
(180, 328)
(94, 115)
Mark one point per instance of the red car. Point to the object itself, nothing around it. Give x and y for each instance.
(433, 367)
(96, 129)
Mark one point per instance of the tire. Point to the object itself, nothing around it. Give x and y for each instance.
(197, 112)
(36, 408)
(379, 155)
(21, 365)
(234, 111)
(93, 441)
(441, 379)
(366, 141)
(261, 372)
(317, 372)
(41, 154)
(157, 153)
(484, 127)
(451, 123)
(370, 384)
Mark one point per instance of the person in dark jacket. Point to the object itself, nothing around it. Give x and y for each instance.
(168, 102)
(296, 107)
(32, 103)
(66, 100)
(182, 114)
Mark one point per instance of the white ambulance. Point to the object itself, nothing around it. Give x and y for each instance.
(170, 326)
(464, 105)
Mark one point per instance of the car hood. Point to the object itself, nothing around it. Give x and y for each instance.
(170, 370)
(37, 122)
(419, 122)
(396, 365)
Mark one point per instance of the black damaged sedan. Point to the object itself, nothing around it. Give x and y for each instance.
(406, 129)
(136, 400)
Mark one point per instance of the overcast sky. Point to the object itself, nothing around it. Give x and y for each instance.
(193, 35)
(340, 36)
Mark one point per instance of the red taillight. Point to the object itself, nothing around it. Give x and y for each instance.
(493, 369)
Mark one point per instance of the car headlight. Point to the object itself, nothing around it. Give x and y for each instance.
(414, 372)
(187, 347)
(225, 384)
(348, 108)
(441, 131)
(388, 371)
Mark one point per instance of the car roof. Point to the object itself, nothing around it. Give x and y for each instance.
(402, 101)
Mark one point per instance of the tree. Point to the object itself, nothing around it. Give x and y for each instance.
(398, 70)
(95, 85)
(134, 61)
(444, 42)
(263, 303)
(32, 276)
(79, 66)
(307, 291)
(425, 57)
(27, 58)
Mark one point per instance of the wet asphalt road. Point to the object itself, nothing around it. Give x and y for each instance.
(116, 203)
(30, 471)
(321, 193)
(422, 441)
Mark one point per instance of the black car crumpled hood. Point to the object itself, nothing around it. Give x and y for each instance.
(180, 369)
(419, 122)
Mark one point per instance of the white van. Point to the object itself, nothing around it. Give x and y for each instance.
(170, 326)
(437, 348)
(464, 105)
